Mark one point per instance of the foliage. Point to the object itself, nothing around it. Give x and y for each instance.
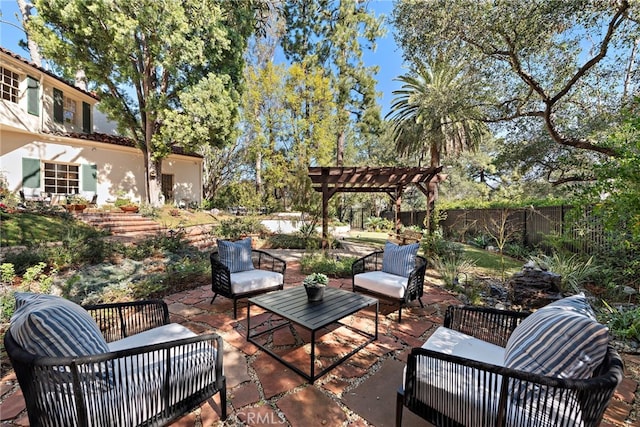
(434, 246)
(316, 280)
(623, 322)
(533, 67)
(575, 272)
(37, 279)
(378, 224)
(321, 262)
(22, 228)
(123, 201)
(293, 241)
(7, 273)
(450, 267)
(182, 59)
(24, 259)
(236, 228)
(429, 113)
(331, 41)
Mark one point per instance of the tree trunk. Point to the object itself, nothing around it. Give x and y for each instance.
(154, 177)
(340, 149)
(34, 50)
(259, 175)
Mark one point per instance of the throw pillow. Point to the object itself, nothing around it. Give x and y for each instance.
(399, 260)
(236, 256)
(559, 341)
(47, 325)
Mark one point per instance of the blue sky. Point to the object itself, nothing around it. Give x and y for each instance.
(387, 55)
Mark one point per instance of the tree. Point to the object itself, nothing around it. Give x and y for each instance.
(169, 73)
(34, 51)
(565, 65)
(327, 35)
(429, 113)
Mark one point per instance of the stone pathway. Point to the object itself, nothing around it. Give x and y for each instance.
(263, 392)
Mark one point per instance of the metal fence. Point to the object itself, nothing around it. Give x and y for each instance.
(528, 226)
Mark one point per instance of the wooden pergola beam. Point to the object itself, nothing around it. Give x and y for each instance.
(390, 180)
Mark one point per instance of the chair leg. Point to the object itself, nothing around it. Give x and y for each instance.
(235, 308)
(400, 314)
(420, 301)
(399, 408)
(214, 298)
(223, 401)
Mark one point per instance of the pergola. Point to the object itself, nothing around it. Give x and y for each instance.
(390, 180)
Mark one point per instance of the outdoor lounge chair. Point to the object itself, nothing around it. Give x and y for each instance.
(395, 274)
(237, 271)
(148, 371)
(458, 377)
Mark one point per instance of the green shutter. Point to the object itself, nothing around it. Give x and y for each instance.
(30, 173)
(90, 178)
(58, 108)
(33, 96)
(86, 117)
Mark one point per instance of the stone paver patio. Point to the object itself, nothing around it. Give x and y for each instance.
(263, 392)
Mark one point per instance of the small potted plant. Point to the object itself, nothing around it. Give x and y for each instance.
(126, 205)
(76, 203)
(314, 284)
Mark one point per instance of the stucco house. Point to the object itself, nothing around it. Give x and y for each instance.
(54, 142)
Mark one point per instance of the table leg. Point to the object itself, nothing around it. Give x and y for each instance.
(248, 319)
(313, 356)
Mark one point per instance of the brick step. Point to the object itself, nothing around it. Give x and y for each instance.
(121, 223)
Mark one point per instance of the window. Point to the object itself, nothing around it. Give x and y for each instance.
(61, 178)
(9, 85)
(69, 110)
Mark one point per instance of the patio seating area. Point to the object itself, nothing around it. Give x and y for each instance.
(261, 391)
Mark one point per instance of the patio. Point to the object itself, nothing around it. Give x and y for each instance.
(262, 392)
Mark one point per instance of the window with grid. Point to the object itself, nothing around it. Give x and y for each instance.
(69, 107)
(61, 178)
(9, 84)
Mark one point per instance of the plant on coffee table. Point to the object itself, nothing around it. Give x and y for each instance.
(314, 284)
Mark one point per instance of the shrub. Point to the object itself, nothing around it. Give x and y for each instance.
(623, 322)
(236, 228)
(574, 271)
(320, 262)
(293, 241)
(374, 223)
(22, 260)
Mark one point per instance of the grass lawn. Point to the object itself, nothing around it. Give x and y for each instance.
(488, 263)
(26, 228)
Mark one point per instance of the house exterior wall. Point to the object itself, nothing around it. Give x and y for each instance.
(31, 137)
(120, 170)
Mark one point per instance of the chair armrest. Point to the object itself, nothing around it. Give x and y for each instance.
(157, 377)
(265, 261)
(220, 276)
(436, 380)
(120, 320)
(415, 281)
(488, 324)
(370, 262)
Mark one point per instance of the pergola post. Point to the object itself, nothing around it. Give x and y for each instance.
(398, 199)
(390, 180)
(325, 214)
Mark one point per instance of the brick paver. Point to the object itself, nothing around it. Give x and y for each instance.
(262, 392)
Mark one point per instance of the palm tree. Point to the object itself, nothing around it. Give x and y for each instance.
(430, 114)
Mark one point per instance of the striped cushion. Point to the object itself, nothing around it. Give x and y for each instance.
(236, 256)
(558, 341)
(399, 260)
(47, 325)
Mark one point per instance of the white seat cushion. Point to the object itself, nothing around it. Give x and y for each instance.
(448, 341)
(159, 335)
(254, 280)
(383, 283)
(477, 395)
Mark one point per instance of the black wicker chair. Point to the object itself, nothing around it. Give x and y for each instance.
(221, 277)
(150, 385)
(415, 281)
(496, 396)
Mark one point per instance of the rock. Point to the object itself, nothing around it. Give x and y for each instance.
(534, 287)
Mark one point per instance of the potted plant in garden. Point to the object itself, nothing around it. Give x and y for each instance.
(126, 205)
(76, 203)
(314, 284)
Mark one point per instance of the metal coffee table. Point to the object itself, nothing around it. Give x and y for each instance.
(291, 304)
